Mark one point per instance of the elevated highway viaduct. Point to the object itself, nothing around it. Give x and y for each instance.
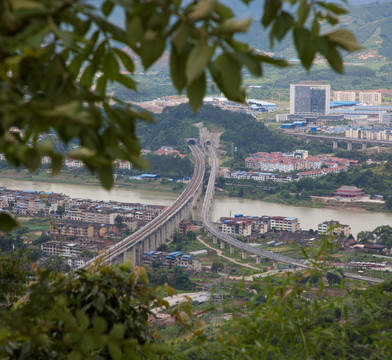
(163, 226)
(338, 139)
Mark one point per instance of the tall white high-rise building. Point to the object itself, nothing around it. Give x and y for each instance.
(309, 99)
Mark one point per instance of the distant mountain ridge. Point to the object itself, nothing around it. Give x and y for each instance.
(371, 24)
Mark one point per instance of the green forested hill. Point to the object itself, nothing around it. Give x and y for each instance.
(175, 124)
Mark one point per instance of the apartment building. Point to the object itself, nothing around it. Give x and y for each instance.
(235, 226)
(344, 96)
(334, 227)
(370, 98)
(280, 223)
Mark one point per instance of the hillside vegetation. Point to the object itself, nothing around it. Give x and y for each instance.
(176, 124)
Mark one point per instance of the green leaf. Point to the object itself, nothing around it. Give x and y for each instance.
(230, 85)
(304, 45)
(177, 69)
(110, 66)
(33, 159)
(134, 30)
(271, 8)
(332, 7)
(302, 12)
(107, 8)
(197, 60)
(87, 77)
(230, 27)
(335, 60)
(196, 91)
(26, 4)
(152, 47)
(114, 350)
(276, 62)
(127, 81)
(180, 39)
(7, 222)
(223, 11)
(281, 26)
(125, 59)
(77, 61)
(345, 39)
(252, 62)
(101, 84)
(56, 163)
(105, 174)
(202, 9)
(82, 318)
(117, 332)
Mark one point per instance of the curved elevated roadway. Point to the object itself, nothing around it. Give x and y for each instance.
(146, 231)
(239, 244)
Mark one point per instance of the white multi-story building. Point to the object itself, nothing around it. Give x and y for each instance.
(344, 96)
(370, 98)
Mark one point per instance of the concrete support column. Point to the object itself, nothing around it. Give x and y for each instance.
(258, 260)
(334, 144)
(349, 146)
(364, 146)
(214, 240)
(231, 250)
(222, 245)
(275, 264)
(243, 255)
(379, 148)
(307, 140)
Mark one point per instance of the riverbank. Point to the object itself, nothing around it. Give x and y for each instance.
(314, 203)
(169, 187)
(176, 188)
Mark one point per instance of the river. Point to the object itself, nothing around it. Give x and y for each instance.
(223, 206)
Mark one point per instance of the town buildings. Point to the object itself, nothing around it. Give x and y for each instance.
(256, 225)
(299, 163)
(171, 260)
(334, 227)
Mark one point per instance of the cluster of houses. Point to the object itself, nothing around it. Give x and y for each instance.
(82, 224)
(241, 225)
(168, 150)
(314, 166)
(171, 260)
(64, 208)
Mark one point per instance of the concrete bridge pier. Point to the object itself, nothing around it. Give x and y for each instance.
(222, 244)
(214, 240)
(231, 250)
(349, 146)
(334, 144)
(378, 148)
(307, 141)
(364, 146)
(130, 255)
(243, 255)
(258, 260)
